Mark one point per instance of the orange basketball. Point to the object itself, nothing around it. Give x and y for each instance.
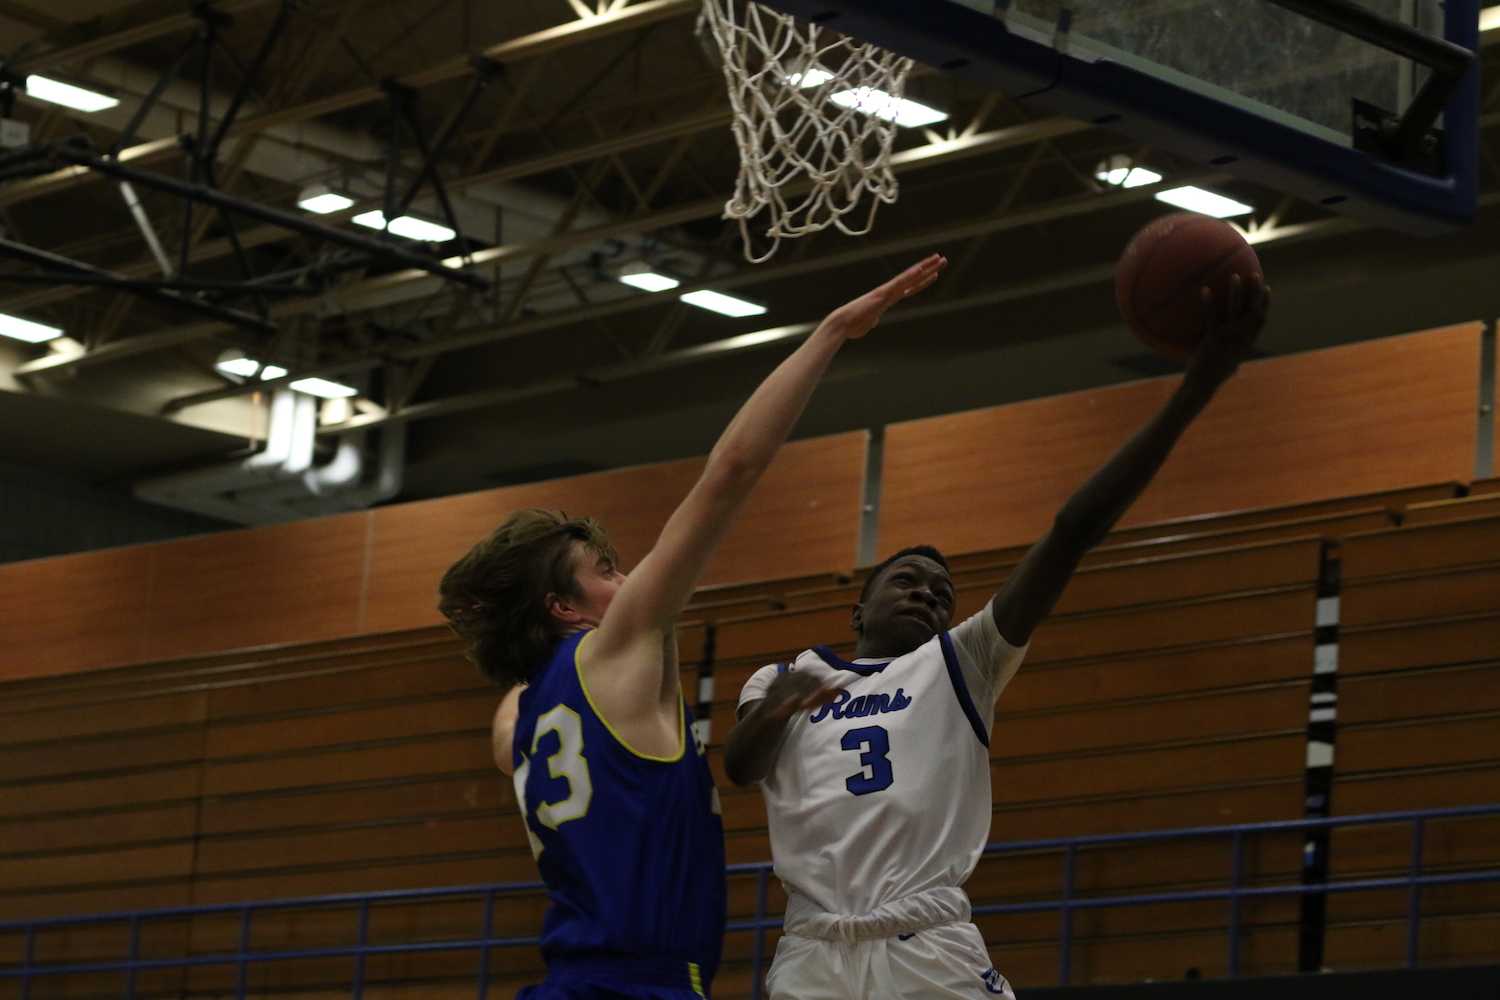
(1163, 269)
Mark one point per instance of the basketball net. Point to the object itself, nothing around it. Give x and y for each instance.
(814, 119)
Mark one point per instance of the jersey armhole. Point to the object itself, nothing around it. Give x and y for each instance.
(604, 721)
(961, 688)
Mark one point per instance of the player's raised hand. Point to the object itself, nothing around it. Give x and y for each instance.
(795, 692)
(855, 319)
(1229, 329)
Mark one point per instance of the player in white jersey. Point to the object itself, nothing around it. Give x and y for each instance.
(876, 770)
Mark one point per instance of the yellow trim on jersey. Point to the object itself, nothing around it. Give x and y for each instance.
(696, 978)
(681, 715)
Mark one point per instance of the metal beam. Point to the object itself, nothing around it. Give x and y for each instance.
(207, 250)
(286, 220)
(117, 350)
(33, 255)
(870, 249)
(532, 46)
(522, 168)
(122, 38)
(1062, 208)
(1079, 278)
(350, 297)
(1484, 441)
(1066, 281)
(61, 180)
(230, 391)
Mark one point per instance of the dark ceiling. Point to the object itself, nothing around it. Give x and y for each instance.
(592, 145)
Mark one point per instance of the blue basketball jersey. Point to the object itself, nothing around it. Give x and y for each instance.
(631, 846)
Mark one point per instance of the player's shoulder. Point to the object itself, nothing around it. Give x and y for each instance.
(556, 680)
(760, 681)
(819, 662)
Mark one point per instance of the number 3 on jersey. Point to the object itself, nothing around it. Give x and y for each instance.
(874, 745)
(566, 763)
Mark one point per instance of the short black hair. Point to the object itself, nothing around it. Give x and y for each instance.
(915, 550)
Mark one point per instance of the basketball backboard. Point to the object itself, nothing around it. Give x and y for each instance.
(1368, 107)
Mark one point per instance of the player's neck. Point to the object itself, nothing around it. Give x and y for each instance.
(872, 648)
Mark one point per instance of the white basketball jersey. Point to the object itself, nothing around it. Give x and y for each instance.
(886, 792)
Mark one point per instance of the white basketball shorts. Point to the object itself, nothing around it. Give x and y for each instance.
(949, 961)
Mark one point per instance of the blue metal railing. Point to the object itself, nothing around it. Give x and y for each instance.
(1414, 881)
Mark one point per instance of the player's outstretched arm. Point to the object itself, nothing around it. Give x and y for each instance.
(755, 739)
(630, 637)
(1030, 592)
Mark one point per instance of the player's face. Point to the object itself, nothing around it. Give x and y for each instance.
(910, 603)
(596, 580)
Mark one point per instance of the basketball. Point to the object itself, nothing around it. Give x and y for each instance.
(1163, 268)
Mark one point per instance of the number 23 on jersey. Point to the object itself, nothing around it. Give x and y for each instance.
(567, 764)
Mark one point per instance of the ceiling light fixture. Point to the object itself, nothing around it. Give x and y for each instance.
(642, 277)
(407, 226)
(245, 367)
(324, 389)
(1196, 199)
(320, 199)
(724, 305)
(905, 112)
(1127, 177)
(27, 330)
(44, 88)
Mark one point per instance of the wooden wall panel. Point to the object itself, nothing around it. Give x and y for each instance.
(130, 789)
(362, 762)
(1366, 417)
(487, 793)
(377, 572)
(282, 583)
(803, 518)
(468, 752)
(26, 724)
(80, 610)
(1421, 548)
(1462, 508)
(132, 826)
(1474, 589)
(330, 727)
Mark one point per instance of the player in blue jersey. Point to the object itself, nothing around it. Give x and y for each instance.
(622, 814)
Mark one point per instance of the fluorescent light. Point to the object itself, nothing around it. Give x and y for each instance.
(870, 101)
(243, 367)
(78, 98)
(1489, 19)
(724, 305)
(815, 77)
(408, 226)
(324, 388)
(1127, 177)
(31, 332)
(905, 113)
(1196, 199)
(321, 201)
(647, 280)
(248, 368)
